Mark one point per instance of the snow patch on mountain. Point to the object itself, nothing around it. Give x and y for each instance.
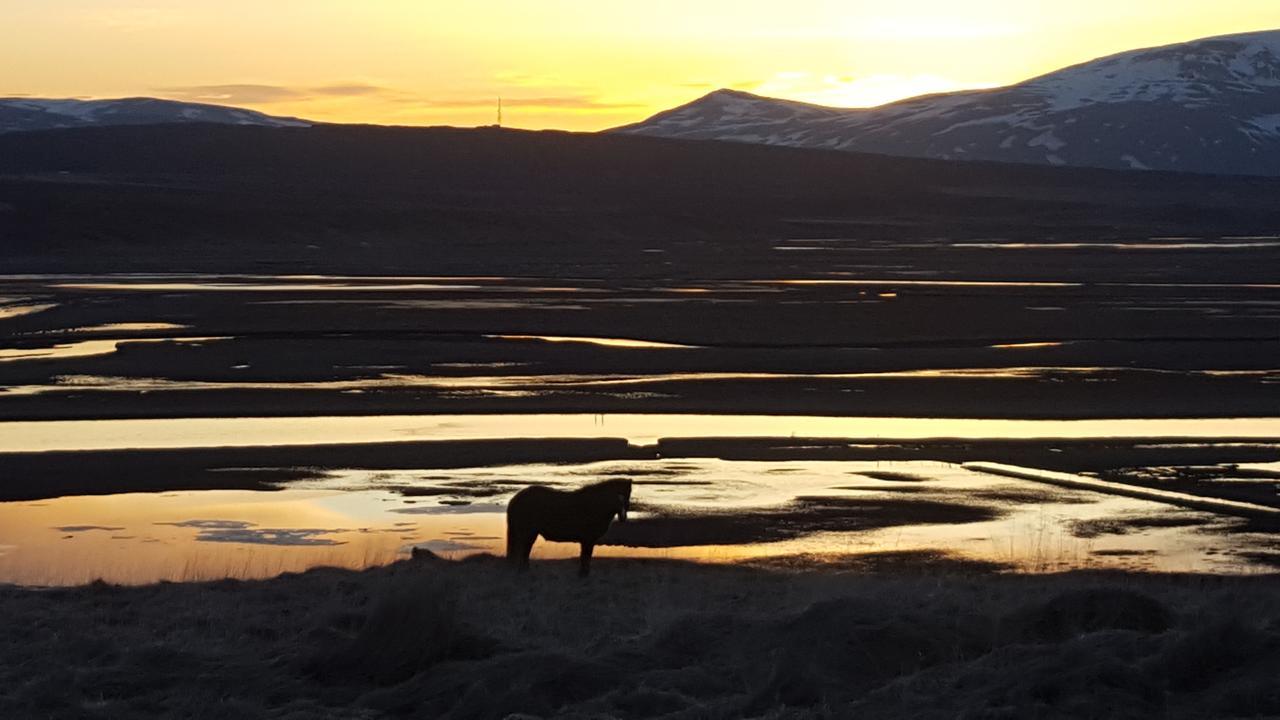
(26, 114)
(1210, 105)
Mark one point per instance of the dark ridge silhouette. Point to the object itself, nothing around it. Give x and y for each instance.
(582, 516)
(377, 199)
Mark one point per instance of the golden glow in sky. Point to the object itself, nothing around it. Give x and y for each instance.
(574, 64)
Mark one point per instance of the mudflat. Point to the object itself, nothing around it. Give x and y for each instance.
(358, 277)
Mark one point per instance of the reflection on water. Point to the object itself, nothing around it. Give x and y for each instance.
(188, 536)
(920, 283)
(366, 284)
(271, 431)
(1183, 245)
(129, 327)
(530, 385)
(239, 531)
(260, 287)
(13, 311)
(1012, 284)
(1264, 469)
(88, 348)
(469, 304)
(1027, 345)
(605, 342)
(362, 518)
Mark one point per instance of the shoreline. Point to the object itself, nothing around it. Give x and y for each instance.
(59, 472)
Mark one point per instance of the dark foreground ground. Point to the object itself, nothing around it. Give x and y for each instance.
(911, 636)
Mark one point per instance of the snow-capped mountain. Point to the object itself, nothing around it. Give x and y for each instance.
(1210, 105)
(23, 114)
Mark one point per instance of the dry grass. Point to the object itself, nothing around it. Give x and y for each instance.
(438, 639)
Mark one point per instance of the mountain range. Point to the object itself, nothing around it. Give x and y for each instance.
(1210, 105)
(1207, 106)
(19, 114)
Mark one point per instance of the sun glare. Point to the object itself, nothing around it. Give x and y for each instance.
(569, 64)
(869, 91)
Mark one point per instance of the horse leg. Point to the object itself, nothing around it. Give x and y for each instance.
(519, 545)
(584, 564)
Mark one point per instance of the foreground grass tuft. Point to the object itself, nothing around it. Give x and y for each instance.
(641, 639)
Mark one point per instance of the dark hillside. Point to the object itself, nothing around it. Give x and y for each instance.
(372, 199)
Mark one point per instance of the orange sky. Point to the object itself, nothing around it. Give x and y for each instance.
(571, 64)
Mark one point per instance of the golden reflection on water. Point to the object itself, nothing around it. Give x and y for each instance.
(87, 348)
(36, 436)
(357, 519)
(532, 385)
(261, 287)
(131, 327)
(1224, 245)
(605, 342)
(13, 311)
(921, 283)
(138, 538)
(1027, 345)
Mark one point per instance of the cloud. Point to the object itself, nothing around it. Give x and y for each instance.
(233, 93)
(866, 91)
(269, 536)
(266, 94)
(354, 90)
(395, 103)
(237, 531)
(210, 524)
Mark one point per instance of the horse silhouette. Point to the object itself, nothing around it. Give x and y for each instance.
(580, 516)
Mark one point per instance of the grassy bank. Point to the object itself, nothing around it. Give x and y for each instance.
(902, 636)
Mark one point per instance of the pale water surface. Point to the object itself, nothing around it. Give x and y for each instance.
(35, 436)
(361, 518)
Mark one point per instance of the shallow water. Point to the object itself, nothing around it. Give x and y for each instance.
(604, 342)
(533, 385)
(89, 348)
(39, 436)
(262, 287)
(362, 518)
(13, 311)
(1235, 244)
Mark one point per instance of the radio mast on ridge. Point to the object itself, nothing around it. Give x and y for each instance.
(499, 111)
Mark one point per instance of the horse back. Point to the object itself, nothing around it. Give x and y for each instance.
(557, 515)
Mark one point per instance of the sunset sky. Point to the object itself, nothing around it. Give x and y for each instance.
(574, 64)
